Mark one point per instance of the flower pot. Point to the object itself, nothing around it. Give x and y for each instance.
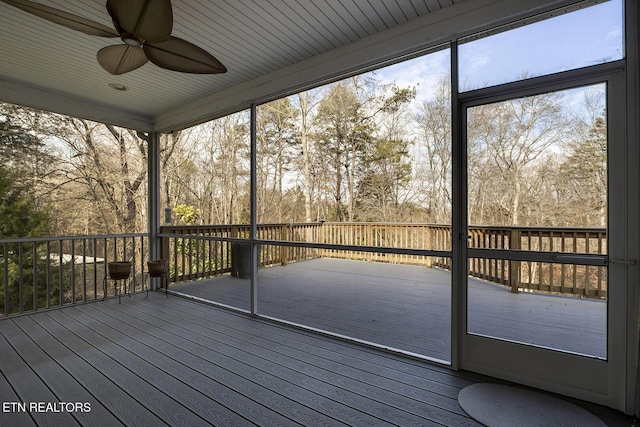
(119, 270)
(158, 267)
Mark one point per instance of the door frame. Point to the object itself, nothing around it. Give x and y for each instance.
(587, 378)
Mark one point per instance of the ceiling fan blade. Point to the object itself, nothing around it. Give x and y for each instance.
(180, 55)
(120, 59)
(65, 19)
(146, 20)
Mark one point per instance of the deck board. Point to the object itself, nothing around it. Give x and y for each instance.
(408, 307)
(267, 357)
(112, 385)
(162, 347)
(158, 361)
(100, 389)
(176, 362)
(61, 382)
(26, 382)
(329, 358)
(271, 368)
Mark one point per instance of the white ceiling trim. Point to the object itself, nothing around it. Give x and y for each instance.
(75, 106)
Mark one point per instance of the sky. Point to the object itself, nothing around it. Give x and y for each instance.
(579, 38)
(584, 37)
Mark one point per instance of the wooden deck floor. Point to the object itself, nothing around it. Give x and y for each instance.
(408, 307)
(158, 361)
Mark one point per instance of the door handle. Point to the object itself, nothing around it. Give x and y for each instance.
(623, 261)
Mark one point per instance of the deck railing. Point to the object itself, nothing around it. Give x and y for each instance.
(44, 272)
(583, 280)
(39, 273)
(205, 251)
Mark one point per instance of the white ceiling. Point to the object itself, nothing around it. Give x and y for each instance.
(54, 65)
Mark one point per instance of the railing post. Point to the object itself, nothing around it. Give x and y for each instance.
(369, 238)
(234, 234)
(284, 250)
(322, 238)
(514, 266)
(429, 232)
(165, 254)
(164, 247)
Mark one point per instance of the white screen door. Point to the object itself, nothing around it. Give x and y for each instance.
(545, 237)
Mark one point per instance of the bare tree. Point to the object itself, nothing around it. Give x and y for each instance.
(505, 140)
(434, 162)
(109, 164)
(583, 174)
(307, 103)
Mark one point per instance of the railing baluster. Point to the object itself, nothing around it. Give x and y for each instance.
(60, 273)
(95, 268)
(600, 269)
(48, 280)
(5, 263)
(73, 272)
(589, 279)
(105, 250)
(35, 276)
(84, 269)
(21, 281)
(575, 267)
(551, 266)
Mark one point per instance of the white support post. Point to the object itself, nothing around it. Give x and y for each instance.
(153, 178)
(254, 216)
(459, 219)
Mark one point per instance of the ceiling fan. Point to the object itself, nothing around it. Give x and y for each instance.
(145, 28)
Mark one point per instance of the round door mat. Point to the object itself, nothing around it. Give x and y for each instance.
(496, 405)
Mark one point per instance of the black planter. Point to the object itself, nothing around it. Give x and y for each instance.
(241, 260)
